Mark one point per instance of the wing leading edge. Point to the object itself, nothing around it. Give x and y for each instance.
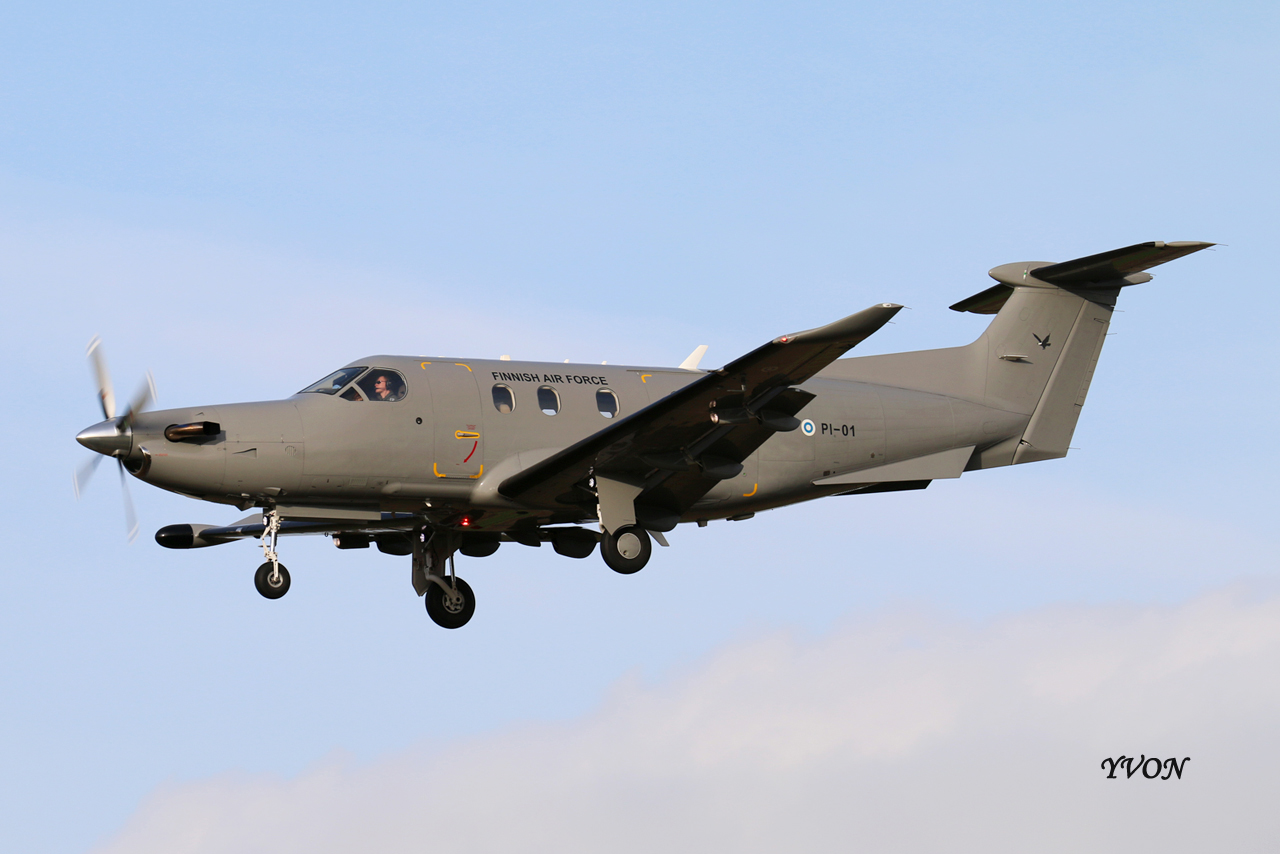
(676, 449)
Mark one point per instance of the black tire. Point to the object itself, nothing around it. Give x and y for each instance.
(613, 546)
(262, 581)
(441, 615)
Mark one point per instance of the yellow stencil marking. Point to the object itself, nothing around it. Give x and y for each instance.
(436, 472)
(754, 490)
(424, 365)
(465, 434)
(644, 378)
(468, 367)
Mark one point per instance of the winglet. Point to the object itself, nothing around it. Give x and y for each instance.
(691, 362)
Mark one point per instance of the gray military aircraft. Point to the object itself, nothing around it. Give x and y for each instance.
(426, 457)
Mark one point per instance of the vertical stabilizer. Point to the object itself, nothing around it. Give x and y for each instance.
(1037, 357)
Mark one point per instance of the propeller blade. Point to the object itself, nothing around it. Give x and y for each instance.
(80, 479)
(130, 517)
(106, 396)
(142, 399)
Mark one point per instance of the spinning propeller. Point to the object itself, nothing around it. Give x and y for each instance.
(114, 436)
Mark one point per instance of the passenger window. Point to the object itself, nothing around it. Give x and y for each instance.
(607, 403)
(548, 400)
(503, 400)
(382, 384)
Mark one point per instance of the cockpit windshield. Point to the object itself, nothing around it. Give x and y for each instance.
(334, 382)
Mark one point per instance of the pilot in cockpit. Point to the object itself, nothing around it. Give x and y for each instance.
(385, 387)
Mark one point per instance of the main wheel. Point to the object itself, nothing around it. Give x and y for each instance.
(450, 609)
(627, 549)
(272, 588)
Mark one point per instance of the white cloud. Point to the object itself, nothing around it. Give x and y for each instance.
(909, 732)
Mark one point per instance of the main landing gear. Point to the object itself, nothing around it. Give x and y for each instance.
(450, 601)
(627, 549)
(271, 579)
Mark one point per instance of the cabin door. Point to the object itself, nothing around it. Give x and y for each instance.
(455, 401)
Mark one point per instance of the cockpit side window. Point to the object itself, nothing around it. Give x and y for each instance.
(335, 381)
(352, 394)
(383, 385)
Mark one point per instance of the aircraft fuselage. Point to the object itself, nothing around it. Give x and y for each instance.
(461, 427)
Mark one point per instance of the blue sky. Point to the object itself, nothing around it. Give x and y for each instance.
(242, 198)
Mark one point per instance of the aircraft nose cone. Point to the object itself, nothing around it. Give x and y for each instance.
(107, 438)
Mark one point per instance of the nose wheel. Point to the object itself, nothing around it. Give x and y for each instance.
(450, 602)
(272, 580)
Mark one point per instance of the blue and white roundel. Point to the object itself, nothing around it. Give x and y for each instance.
(806, 426)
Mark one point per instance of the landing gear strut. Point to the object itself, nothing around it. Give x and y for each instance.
(627, 549)
(271, 579)
(450, 601)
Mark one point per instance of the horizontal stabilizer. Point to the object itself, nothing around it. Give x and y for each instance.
(989, 301)
(1116, 264)
(1114, 269)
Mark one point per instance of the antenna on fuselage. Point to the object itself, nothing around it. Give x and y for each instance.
(691, 363)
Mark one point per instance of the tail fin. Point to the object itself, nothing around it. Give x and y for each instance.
(1037, 357)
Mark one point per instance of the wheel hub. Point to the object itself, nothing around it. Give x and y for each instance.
(629, 546)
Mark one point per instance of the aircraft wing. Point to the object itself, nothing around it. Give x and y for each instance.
(679, 447)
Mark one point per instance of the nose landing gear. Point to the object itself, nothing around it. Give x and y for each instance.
(271, 579)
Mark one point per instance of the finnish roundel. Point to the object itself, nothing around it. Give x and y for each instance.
(806, 426)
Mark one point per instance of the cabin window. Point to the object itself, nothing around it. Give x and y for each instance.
(334, 382)
(503, 400)
(548, 400)
(383, 385)
(607, 402)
